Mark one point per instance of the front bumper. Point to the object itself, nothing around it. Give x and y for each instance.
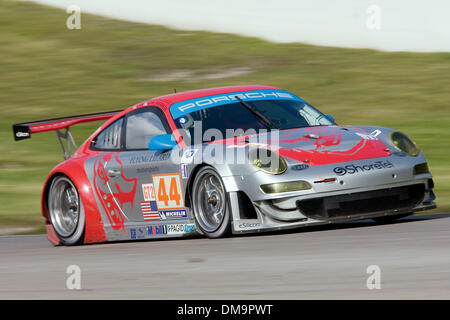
(392, 191)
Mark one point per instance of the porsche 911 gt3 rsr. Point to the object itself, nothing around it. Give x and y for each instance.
(225, 160)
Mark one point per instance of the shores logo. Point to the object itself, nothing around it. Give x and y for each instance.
(352, 169)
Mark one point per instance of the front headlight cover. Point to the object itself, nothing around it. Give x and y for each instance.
(288, 186)
(404, 144)
(267, 161)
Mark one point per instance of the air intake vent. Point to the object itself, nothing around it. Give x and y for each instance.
(353, 204)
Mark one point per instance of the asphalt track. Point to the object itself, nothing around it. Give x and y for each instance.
(329, 262)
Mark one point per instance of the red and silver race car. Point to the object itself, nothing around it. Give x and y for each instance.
(225, 160)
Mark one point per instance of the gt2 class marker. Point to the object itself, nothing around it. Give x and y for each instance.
(149, 192)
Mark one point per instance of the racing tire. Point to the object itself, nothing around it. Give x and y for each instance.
(210, 204)
(389, 219)
(66, 211)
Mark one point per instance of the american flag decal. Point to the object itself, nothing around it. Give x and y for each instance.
(149, 211)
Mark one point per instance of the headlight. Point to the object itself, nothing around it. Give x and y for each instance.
(285, 186)
(267, 161)
(403, 143)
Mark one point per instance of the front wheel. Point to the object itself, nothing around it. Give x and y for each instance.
(66, 211)
(210, 203)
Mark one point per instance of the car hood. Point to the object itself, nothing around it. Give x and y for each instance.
(317, 145)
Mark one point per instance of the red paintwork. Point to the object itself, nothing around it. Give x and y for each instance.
(101, 179)
(51, 234)
(74, 169)
(365, 149)
(61, 124)
(322, 139)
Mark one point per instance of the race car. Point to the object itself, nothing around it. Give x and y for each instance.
(222, 161)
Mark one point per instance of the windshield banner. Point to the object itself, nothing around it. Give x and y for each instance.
(184, 107)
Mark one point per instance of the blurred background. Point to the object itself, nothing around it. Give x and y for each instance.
(378, 63)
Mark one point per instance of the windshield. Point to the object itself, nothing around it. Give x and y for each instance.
(283, 114)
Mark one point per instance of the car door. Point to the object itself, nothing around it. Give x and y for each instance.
(159, 195)
(135, 186)
(113, 190)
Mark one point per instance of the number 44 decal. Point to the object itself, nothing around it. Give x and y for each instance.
(169, 194)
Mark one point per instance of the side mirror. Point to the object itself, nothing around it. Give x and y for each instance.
(330, 118)
(162, 142)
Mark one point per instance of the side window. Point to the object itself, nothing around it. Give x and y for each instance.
(141, 127)
(109, 138)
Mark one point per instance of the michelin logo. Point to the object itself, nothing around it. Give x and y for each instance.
(172, 214)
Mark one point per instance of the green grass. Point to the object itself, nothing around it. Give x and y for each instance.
(49, 71)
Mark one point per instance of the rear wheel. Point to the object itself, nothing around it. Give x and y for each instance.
(388, 219)
(210, 203)
(66, 211)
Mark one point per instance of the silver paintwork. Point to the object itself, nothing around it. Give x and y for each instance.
(274, 211)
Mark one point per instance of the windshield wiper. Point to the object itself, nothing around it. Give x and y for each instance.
(263, 118)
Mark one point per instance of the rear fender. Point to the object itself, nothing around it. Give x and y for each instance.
(74, 170)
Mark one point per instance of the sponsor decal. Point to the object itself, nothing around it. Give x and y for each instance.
(156, 230)
(147, 170)
(375, 133)
(148, 206)
(137, 233)
(22, 134)
(183, 120)
(149, 211)
(180, 228)
(299, 167)
(181, 108)
(371, 136)
(149, 158)
(352, 169)
(184, 171)
(149, 192)
(172, 214)
(249, 225)
(140, 233)
(188, 156)
(168, 191)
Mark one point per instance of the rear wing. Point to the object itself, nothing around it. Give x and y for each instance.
(25, 130)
